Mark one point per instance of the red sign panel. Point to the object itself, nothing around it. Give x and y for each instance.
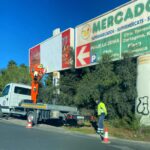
(34, 56)
(66, 49)
(83, 55)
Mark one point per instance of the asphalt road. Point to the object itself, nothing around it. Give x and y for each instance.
(18, 137)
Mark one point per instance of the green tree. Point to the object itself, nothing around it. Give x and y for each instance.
(24, 75)
(95, 83)
(127, 72)
(87, 91)
(46, 89)
(14, 73)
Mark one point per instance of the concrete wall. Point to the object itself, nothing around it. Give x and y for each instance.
(143, 89)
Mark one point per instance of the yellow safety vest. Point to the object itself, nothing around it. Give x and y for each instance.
(101, 108)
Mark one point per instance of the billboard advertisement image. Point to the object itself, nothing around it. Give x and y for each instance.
(34, 56)
(66, 49)
(125, 29)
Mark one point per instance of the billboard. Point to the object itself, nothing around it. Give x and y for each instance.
(53, 53)
(124, 29)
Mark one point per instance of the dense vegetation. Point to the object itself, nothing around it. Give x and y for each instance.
(114, 82)
(14, 73)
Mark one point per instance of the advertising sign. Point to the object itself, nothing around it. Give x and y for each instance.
(34, 56)
(124, 29)
(66, 49)
(54, 53)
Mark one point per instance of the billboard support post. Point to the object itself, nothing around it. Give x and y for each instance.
(56, 91)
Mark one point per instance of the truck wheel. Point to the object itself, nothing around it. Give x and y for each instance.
(31, 116)
(1, 113)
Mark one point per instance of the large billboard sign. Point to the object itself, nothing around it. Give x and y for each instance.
(53, 53)
(124, 29)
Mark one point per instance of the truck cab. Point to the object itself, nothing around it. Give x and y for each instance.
(12, 95)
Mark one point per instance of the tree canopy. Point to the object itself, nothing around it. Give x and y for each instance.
(14, 73)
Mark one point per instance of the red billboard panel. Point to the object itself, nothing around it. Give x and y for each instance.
(66, 49)
(34, 56)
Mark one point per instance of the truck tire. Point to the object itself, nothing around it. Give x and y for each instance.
(1, 113)
(31, 115)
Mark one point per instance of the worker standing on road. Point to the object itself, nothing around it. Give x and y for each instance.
(102, 112)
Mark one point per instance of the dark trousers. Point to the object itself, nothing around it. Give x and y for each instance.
(100, 121)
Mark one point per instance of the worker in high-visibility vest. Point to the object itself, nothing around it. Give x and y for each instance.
(102, 112)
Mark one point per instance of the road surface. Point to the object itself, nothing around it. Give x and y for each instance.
(18, 137)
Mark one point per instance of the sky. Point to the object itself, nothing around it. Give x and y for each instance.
(25, 23)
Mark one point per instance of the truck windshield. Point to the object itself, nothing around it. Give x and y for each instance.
(6, 90)
(23, 91)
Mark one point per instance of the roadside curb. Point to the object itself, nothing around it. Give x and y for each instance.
(122, 140)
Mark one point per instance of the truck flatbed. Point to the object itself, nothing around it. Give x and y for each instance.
(43, 106)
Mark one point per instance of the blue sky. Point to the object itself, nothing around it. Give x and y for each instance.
(25, 23)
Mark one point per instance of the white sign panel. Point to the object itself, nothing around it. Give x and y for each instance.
(51, 53)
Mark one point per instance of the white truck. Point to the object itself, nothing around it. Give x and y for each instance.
(16, 100)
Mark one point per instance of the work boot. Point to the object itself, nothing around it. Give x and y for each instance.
(98, 131)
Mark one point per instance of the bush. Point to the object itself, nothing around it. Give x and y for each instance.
(135, 124)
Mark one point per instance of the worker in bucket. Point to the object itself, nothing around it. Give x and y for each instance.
(102, 112)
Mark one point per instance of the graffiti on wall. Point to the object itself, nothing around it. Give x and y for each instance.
(143, 105)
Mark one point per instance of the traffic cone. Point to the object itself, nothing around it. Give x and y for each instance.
(106, 139)
(29, 124)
